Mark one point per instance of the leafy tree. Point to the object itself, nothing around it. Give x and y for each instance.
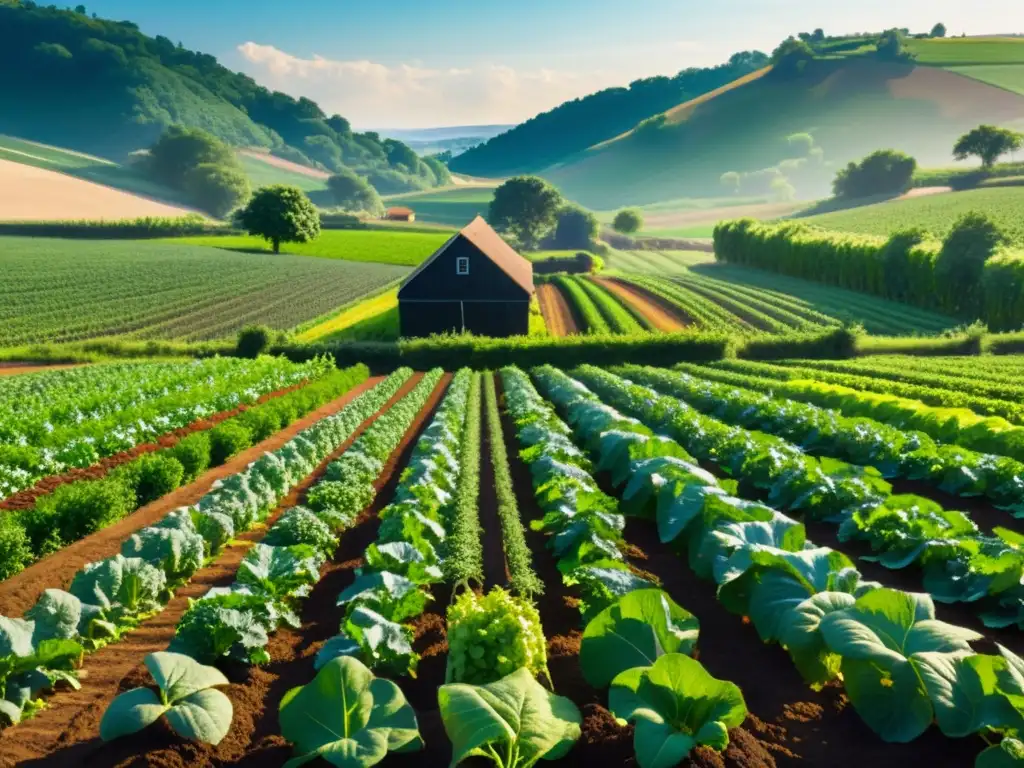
(217, 189)
(818, 36)
(627, 221)
(939, 30)
(354, 193)
(253, 341)
(437, 166)
(973, 240)
(576, 227)
(892, 46)
(281, 214)
(182, 149)
(525, 207)
(987, 142)
(791, 57)
(880, 173)
(400, 155)
(340, 125)
(324, 151)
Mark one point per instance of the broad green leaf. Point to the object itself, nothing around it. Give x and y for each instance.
(16, 637)
(180, 676)
(131, 712)
(1009, 753)
(202, 716)
(633, 632)
(515, 710)
(659, 745)
(893, 703)
(962, 687)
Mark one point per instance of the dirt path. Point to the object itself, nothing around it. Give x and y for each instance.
(16, 369)
(20, 592)
(254, 738)
(647, 305)
(557, 313)
(26, 498)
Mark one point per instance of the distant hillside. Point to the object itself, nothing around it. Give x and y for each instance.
(446, 133)
(849, 106)
(570, 128)
(104, 87)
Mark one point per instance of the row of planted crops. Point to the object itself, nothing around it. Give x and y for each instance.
(545, 564)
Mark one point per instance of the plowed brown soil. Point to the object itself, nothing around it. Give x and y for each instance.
(557, 313)
(26, 498)
(15, 369)
(254, 738)
(660, 317)
(20, 592)
(675, 313)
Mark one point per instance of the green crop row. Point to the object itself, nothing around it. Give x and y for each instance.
(584, 306)
(464, 560)
(619, 318)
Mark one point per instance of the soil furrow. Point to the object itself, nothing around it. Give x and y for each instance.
(74, 713)
(558, 315)
(660, 317)
(254, 738)
(20, 592)
(16, 369)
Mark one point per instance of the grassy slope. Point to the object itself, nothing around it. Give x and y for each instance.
(64, 290)
(934, 213)
(851, 106)
(453, 206)
(384, 247)
(367, 319)
(998, 61)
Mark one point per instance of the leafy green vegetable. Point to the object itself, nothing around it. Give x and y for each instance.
(348, 717)
(513, 721)
(194, 709)
(1009, 753)
(280, 572)
(233, 625)
(634, 632)
(490, 637)
(392, 596)
(676, 706)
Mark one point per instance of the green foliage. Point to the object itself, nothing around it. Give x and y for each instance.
(228, 439)
(217, 189)
(961, 263)
(988, 143)
(514, 721)
(145, 228)
(492, 636)
(180, 150)
(628, 221)
(892, 46)
(188, 697)
(348, 717)
(15, 546)
(791, 57)
(939, 30)
(676, 706)
(353, 193)
(193, 453)
(151, 476)
(883, 172)
(575, 227)
(75, 510)
(281, 214)
(254, 341)
(465, 559)
(526, 208)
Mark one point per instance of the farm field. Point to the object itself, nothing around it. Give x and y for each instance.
(369, 543)
(452, 207)
(936, 213)
(60, 290)
(354, 320)
(33, 193)
(264, 170)
(382, 247)
(1008, 76)
(968, 51)
(656, 262)
(731, 300)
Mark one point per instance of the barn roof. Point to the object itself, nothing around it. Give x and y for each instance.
(489, 243)
(400, 210)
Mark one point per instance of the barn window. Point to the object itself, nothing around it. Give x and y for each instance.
(462, 266)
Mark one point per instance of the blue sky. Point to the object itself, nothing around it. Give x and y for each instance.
(417, 63)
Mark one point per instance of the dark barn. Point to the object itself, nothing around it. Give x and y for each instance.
(475, 282)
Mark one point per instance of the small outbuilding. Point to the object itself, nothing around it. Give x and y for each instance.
(475, 282)
(400, 214)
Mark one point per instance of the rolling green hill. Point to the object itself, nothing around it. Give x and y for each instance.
(104, 87)
(849, 105)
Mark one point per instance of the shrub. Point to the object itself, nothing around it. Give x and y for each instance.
(75, 510)
(880, 173)
(254, 341)
(193, 453)
(151, 476)
(226, 440)
(354, 193)
(261, 422)
(217, 189)
(958, 270)
(628, 221)
(15, 549)
(575, 227)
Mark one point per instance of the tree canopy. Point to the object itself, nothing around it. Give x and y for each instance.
(628, 221)
(791, 57)
(939, 30)
(525, 207)
(575, 227)
(354, 193)
(880, 173)
(281, 214)
(987, 142)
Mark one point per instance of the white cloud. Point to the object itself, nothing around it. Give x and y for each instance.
(412, 95)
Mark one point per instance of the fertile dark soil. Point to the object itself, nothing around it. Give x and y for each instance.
(558, 312)
(66, 733)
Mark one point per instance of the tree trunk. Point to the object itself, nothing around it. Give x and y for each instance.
(277, 245)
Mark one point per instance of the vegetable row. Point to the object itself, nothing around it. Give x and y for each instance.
(112, 596)
(901, 668)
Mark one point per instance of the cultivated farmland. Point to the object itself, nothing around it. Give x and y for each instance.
(408, 537)
(935, 213)
(61, 290)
